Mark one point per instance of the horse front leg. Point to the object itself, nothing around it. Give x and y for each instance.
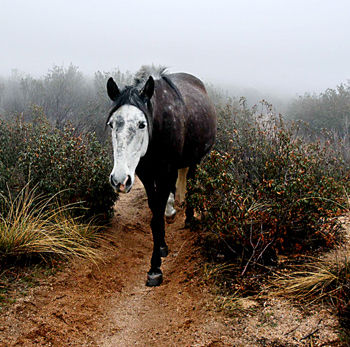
(160, 249)
(155, 275)
(157, 220)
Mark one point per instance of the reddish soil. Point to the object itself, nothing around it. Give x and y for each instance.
(109, 304)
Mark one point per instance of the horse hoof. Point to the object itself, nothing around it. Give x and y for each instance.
(164, 251)
(154, 279)
(190, 222)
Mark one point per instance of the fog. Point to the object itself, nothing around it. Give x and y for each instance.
(282, 47)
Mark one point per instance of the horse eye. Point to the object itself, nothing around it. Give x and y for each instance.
(142, 125)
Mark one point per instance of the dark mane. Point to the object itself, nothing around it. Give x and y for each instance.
(157, 72)
(173, 86)
(142, 75)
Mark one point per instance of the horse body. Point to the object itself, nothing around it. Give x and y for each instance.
(181, 129)
(184, 128)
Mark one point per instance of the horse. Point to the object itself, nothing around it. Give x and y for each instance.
(162, 125)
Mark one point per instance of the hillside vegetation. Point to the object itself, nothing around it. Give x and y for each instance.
(329, 110)
(270, 188)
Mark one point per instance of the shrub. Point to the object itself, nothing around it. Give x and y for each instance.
(11, 143)
(56, 160)
(263, 190)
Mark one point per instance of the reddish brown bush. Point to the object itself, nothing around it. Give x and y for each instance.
(264, 190)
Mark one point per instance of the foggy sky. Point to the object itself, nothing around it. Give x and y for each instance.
(288, 46)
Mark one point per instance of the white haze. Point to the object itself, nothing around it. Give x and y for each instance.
(287, 47)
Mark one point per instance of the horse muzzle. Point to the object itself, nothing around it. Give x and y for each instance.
(121, 187)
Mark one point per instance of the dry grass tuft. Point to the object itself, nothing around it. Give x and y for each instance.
(213, 272)
(37, 226)
(316, 280)
(321, 280)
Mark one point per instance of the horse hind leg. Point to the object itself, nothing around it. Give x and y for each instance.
(178, 188)
(181, 184)
(181, 191)
(170, 211)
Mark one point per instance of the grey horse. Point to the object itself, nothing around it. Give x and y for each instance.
(162, 126)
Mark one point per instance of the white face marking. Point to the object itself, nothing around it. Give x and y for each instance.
(130, 142)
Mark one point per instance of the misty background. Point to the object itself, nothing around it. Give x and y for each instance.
(59, 54)
(286, 47)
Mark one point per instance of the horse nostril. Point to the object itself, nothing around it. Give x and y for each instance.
(124, 187)
(114, 184)
(128, 181)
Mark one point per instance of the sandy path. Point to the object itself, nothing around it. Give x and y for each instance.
(174, 314)
(109, 304)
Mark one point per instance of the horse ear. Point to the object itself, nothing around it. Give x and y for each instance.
(148, 89)
(112, 89)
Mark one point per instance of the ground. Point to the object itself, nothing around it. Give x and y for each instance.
(108, 304)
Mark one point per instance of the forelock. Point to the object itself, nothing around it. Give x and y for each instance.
(130, 96)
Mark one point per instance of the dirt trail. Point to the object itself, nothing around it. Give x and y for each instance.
(174, 314)
(109, 304)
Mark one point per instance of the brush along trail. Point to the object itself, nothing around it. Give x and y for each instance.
(109, 305)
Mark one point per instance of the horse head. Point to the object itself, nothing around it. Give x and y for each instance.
(131, 122)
